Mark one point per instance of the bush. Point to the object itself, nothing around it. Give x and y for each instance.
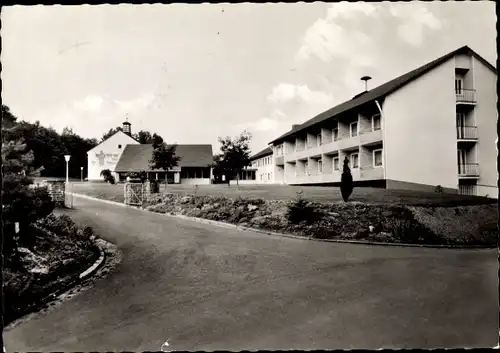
(299, 211)
(439, 189)
(107, 176)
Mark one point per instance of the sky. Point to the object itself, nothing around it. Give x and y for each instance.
(194, 72)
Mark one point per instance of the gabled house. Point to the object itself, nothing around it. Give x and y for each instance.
(106, 154)
(194, 166)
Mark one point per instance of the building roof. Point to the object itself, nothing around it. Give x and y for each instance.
(265, 152)
(382, 90)
(119, 131)
(136, 158)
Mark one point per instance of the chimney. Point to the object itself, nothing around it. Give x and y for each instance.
(126, 127)
(366, 79)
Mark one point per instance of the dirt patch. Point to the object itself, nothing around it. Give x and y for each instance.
(57, 253)
(344, 221)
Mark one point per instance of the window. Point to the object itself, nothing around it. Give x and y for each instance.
(119, 146)
(335, 163)
(335, 134)
(268, 176)
(261, 177)
(306, 166)
(354, 160)
(319, 140)
(376, 122)
(320, 166)
(377, 158)
(354, 129)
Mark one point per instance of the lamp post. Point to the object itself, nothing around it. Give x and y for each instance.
(81, 174)
(67, 157)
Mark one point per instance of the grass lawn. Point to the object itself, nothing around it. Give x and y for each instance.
(286, 192)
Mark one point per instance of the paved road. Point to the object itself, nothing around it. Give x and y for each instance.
(210, 288)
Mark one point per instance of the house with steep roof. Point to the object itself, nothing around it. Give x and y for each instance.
(194, 166)
(106, 154)
(122, 154)
(435, 125)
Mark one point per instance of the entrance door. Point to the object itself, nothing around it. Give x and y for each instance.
(461, 125)
(459, 85)
(461, 159)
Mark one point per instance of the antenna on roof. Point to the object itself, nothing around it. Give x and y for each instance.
(366, 78)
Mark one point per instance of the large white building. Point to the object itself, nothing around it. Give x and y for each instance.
(435, 125)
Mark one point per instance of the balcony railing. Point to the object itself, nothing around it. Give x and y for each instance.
(467, 132)
(468, 169)
(466, 95)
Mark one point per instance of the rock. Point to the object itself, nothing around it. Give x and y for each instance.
(185, 199)
(42, 270)
(371, 228)
(333, 214)
(252, 207)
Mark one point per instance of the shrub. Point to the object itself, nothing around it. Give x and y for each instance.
(107, 176)
(346, 182)
(439, 189)
(300, 210)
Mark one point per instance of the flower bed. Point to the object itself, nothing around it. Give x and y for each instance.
(343, 221)
(59, 250)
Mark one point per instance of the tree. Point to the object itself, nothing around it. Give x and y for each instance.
(163, 156)
(346, 183)
(219, 169)
(144, 137)
(21, 203)
(110, 133)
(8, 119)
(235, 153)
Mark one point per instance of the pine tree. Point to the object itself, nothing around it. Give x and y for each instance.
(346, 182)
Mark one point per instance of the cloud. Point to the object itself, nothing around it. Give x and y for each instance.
(270, 123)
(286, 92)
(332, 36)
(354, 31)
(92, 103)
(415, 19)
(142, 102)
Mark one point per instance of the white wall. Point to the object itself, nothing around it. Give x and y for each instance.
(486, 116)
(420, 132)
(196, 181)
(264, 170)
(110, 154)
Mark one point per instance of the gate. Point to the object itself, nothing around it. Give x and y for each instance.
(134, 194)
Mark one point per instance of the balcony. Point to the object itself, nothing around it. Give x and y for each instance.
(468, 170)
(370, 137)
(466, 132)
(466, 96)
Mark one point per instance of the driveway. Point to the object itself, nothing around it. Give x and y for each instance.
(204, 287)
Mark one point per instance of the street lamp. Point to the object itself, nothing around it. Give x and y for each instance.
(81, 174)
(67, 157)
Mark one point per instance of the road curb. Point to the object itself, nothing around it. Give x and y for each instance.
(72, 283)
(285, 235)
